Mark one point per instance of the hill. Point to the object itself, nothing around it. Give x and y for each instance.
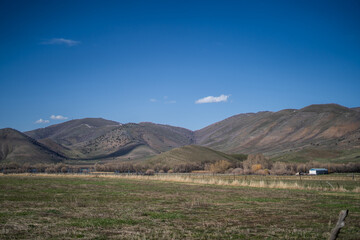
(100, 138)
(191, 154)
(74, 131)
(17, 147)
(325, 126)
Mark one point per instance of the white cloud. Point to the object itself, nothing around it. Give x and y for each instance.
(58, 117)
(212, 99)
(42, 121)
(165, 101)
(61, 41)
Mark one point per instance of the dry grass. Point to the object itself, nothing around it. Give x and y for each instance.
(275, 183)
(356, 190)
(50, 206)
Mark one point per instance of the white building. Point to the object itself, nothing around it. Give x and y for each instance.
(318, 171)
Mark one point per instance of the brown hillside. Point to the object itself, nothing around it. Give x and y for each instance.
(82, 139)
(17, 147)
(327, 125)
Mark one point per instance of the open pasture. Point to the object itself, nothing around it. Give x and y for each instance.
(130, 207)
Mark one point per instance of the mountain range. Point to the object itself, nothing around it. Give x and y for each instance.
(324, 131)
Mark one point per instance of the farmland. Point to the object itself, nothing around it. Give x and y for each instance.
(179, 207)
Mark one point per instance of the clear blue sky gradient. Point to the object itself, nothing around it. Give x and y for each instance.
(267, 55)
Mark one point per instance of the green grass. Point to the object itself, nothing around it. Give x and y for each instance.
(34, 207)
(191, 154)
(320, 156)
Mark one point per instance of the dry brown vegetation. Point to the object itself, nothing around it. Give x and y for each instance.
(255, 164)
(50, 206)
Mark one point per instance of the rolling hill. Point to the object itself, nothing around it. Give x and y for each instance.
(19, 148)
(327, 126)
(191, 154)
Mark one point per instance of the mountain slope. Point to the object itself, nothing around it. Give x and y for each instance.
(191, 154)
(126, 138)
(82, 139)
(17, 147)
(327, 126)
(74, 131)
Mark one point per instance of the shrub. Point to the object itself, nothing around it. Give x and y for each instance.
(186, 167)
(238, 171)
(50, 170)
(280, 168)
(229, 170)
(263, 172)
(150, 172)
(220, 166)
(256, 167)
(254, 159)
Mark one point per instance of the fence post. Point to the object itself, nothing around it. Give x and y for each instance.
(340, 223)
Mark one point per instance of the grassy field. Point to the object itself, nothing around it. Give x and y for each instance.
(320, 156)
(90, 207)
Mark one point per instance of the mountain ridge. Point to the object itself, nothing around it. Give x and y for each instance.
(320, 126)
(290, 128)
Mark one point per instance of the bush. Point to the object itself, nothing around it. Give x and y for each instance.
(50, 170)
(256, 159)
(150, 172)
(263, 172)
(256, 167)
(280, 168)
(238, 171)
(186, 167)
(220, 166)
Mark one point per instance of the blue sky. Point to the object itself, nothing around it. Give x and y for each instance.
(157, 61)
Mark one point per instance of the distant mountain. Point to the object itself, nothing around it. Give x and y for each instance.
(17, 147)
(356, 109)
(315, 132)
(74, 131)
(99, 138)
(191, 154)
(321, 126)
(152, 138)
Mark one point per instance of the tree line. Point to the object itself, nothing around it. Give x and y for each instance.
(254, 164)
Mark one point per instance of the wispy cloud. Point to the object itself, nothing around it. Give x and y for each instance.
(212, 99)
(58, 117)
(165, 100)
(41, 121)
(61, 41)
